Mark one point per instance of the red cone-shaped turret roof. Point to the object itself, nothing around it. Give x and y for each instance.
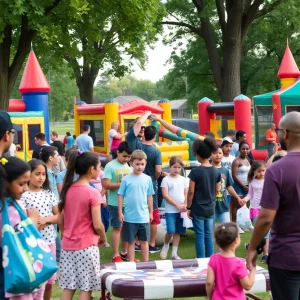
(33, 79)
(288, 67)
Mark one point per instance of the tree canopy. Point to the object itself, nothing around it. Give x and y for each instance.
(261, 49)
(223, 26)
(19, 24)
(109, 34)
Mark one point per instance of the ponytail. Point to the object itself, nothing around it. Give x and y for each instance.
(68, 180)
(79, 163)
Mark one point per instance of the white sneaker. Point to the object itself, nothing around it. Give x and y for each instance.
(250, 227)
(241, 230)
(175, 257)
(164, 252)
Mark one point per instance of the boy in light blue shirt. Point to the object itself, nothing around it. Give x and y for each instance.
(137, 188)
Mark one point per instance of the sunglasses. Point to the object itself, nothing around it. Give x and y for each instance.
(12, 132)
(287, 130)
(143, 127)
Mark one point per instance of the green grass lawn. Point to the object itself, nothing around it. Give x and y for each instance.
(62, 128)
(186, 250)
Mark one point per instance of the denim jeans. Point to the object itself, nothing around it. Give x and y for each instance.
(223, 217)
(203, 227)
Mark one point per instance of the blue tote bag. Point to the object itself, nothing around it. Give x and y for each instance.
(27, 259)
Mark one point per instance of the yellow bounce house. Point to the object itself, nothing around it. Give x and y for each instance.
(100, 117)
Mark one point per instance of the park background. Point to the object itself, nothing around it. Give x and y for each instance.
(93, 50)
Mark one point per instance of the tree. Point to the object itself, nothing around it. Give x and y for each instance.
(262, 53)
(102, 93)
(110, 34)
(63, 91)
(223, 26)
(145, 89)
(19, 25)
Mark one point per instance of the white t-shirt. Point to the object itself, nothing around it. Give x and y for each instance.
(111, 134)
(12, 150)
(176, 188)
(227, 163)
(43, 201)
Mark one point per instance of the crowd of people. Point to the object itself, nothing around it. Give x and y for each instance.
(123, 192)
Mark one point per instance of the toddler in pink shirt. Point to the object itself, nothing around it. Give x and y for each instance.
(227, 275)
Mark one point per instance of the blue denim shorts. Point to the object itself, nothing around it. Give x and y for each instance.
(239, 190)
(114, 216)
(174, 223)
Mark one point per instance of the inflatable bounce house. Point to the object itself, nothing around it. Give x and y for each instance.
(30, 112)
(100, 117)
(270, 107)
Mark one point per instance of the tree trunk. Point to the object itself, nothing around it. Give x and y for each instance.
(86, 90)
(231, 77)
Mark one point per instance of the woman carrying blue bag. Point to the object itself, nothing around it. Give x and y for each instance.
(27, 260)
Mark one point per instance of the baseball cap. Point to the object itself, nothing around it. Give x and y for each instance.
(6, 124)
(227, 140)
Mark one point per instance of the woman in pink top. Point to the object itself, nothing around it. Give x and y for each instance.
(81, 226)
(227, 275)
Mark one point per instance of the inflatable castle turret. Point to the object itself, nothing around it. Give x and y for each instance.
(288, 73)
(32, 111)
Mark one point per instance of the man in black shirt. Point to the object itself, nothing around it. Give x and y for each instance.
(57, 143)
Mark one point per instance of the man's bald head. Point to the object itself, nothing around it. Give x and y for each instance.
(291, 122)
(289, 131)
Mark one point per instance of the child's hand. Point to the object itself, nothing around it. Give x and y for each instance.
(121, 218)
(242, 201)
(33, 213)
(181, 207)
(151, 217)
(43, 221)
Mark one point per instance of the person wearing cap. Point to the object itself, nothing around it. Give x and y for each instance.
(227, 159)
(7, 132)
